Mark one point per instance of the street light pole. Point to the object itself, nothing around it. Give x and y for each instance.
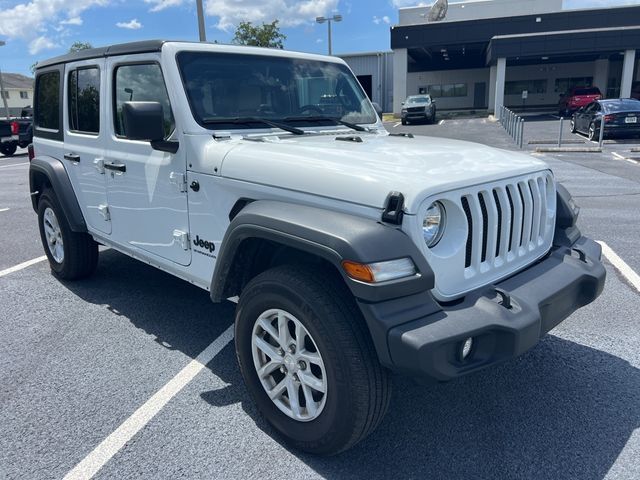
(201, 30)
(335, 18)
(2, 90)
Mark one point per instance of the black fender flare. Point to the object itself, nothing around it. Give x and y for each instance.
(56, 174)
(330, 235)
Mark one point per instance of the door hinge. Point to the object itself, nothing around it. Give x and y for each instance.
(98, 163)
(104, 211)
(182, 239)
(178, 179)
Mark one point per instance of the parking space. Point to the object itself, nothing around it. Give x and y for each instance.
(79, 359)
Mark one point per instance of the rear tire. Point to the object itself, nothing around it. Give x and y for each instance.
(72, 255)
(573, 126)
(8, 149)
(357, 388)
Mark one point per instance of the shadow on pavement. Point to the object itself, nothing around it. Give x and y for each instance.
(561, 411)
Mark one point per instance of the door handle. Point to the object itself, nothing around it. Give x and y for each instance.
(118, 167)
(72, 157)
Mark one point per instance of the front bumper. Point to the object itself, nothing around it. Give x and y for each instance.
(540, 297)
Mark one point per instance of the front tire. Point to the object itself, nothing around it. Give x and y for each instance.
(592, 132)
(308, 360)
(404, 122)
(72, 255)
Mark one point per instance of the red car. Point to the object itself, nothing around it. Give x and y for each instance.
(577, 98)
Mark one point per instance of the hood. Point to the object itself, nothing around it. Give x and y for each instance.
(364, 173)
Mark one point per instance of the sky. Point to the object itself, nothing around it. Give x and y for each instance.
(39, 29)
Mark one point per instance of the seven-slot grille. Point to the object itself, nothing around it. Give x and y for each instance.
(507, 222)
(415, 109)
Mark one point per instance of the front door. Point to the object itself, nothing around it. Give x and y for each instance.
(84, 139)
(367, 85)
(480, 95)
(146, 188)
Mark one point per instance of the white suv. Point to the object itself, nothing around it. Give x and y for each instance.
(353, 252)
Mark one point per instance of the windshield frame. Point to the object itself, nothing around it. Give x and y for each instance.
(229, 123)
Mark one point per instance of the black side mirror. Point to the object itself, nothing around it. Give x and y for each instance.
(378, 109)
(145, 121)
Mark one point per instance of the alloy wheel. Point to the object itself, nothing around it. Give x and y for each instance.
(289, 365)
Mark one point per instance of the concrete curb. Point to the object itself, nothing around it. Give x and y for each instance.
(569, 149)
(555, 142)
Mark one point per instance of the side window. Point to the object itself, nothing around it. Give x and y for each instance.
(141, 83)
(84, 100)
(48, 101)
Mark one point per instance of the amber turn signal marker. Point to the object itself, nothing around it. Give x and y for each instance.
(358, 271)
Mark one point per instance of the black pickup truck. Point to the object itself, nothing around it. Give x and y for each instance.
(16, 132)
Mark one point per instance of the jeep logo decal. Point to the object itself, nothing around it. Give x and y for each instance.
(198, 242)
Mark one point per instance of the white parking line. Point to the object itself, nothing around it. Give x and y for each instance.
(397, 124)
(4, 209)
(93, 462)
(626, 271)
(15, 165)
(22, 266)
(618, 156)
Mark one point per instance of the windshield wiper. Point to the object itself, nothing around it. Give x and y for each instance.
(319, 118)
(249, 120)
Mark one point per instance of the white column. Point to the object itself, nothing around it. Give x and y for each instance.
(601, 75)
(400, 68)
(628, 68)
(501, 75)
(493, 71)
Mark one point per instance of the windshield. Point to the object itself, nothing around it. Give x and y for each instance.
(418, 100)
(586, 91)
(223, 88)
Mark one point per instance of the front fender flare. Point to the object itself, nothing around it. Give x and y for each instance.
(330, 235)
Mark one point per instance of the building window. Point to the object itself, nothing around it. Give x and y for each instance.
(5, 94)
(84, 100)
(48, 101)
(24, 95)
(448, 90)
(564, 85)
(531, 86)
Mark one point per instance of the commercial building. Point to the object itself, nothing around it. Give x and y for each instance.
(518, 53)
(18, 92)
(375, 73)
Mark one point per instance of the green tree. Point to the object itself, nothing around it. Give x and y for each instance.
(77, 46)
(265, 35)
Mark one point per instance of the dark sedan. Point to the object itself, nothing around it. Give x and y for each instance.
(621, 117)
(418, 107)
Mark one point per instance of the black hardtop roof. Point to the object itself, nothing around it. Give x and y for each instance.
(110, 51)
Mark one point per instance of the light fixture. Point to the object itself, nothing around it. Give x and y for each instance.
(336, 18)
(465, 349)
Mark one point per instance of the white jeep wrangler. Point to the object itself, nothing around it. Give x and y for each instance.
(353, 252)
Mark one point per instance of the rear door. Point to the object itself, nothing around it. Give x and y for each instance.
(146, 188)
(84, 139)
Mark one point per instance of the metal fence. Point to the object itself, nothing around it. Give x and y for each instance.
(513, 124)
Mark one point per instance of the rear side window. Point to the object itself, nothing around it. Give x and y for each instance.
(84, 100)
(141, 83)
(48, 101)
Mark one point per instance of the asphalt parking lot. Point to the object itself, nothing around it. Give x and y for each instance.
(78, 360)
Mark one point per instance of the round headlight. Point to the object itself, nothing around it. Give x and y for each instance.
(433, 224)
